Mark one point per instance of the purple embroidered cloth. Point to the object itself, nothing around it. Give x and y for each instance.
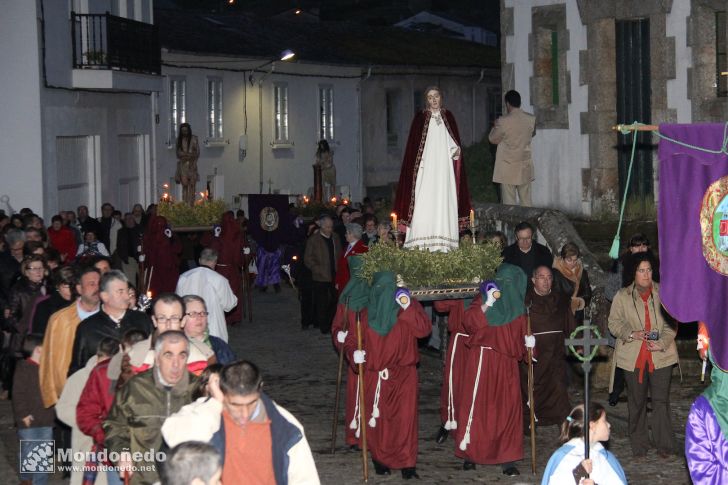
(689, 288)
(706, 449)
(269, 267)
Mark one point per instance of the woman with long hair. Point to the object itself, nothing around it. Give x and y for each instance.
(571, 278)
(432, 198)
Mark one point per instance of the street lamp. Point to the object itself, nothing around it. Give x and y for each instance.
(286, 55)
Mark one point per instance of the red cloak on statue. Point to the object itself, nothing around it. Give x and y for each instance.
(404, 202)
(390, 381)
(489, 412)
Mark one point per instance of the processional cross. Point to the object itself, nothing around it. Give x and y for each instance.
(590, 346)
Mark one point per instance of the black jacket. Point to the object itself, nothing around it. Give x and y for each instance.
(99, 326)
(45, 309)
(542, 257)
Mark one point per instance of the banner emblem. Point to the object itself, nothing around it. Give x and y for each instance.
(269, 219)
(714, 225)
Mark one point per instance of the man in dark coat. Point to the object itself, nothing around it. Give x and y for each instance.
(113, 319)
(322, 251)
(525, 252)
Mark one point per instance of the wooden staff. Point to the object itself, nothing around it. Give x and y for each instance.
(362, 409)
(335, 421)
(635, 127)
(531, 404)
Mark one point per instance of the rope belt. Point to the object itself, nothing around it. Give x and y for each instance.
(466, 439)
(383, 376)
(356, 420)
(451, 423)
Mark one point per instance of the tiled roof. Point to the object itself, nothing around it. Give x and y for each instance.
(247, 35)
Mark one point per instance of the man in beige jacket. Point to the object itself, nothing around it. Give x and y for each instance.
(513, 164)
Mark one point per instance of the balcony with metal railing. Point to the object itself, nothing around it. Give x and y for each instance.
(105, 47)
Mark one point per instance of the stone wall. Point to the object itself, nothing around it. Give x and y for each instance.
(706, 105)
(598, 71)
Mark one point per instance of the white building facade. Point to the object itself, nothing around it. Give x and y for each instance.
(247, 147)
(78, 104)
(582, 67)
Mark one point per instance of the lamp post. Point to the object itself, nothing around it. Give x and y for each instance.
(286, 55)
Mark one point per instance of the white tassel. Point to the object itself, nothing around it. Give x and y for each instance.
(465, 442)
(448, 425)
(353, 424)
(453, 424)
(357, 432)
(375, 412)
(373, 423)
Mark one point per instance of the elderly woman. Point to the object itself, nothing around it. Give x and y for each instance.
(646, 351)
(196, 329)
(355, 247)
(571, 278)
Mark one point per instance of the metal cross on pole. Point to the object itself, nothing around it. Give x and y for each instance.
(590, 346)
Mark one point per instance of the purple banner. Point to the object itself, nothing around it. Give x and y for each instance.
(690, 288)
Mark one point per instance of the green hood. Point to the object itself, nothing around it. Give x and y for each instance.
(717, 395)
(357, 289)
(512, 283)
(382, 306)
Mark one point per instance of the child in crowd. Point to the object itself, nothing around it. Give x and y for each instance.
(33, 419)
(567, 464)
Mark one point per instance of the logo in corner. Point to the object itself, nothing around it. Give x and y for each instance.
(37, 456)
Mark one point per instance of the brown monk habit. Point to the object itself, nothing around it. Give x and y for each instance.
(551, 322)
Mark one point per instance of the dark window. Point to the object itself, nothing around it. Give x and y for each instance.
(393, 102)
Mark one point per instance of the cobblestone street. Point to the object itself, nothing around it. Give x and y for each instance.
(300, 367)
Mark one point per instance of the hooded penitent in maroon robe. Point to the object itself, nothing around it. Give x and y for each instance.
(345, 320)
(404, 201)
(229, 246)
(489, 404)
(391, 385)
(455, 359)
(551, 323)
(161, 256)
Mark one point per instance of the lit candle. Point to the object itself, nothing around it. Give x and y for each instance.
(149, 294)
(394, 221)
(472, 221)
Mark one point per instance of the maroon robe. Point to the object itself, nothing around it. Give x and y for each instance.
(346, 320)
(455, 358)
(342, 266)
(161, 256)
(229, 247)
(404, 202)
(551, 323)
(496, 430)
(393, 439)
